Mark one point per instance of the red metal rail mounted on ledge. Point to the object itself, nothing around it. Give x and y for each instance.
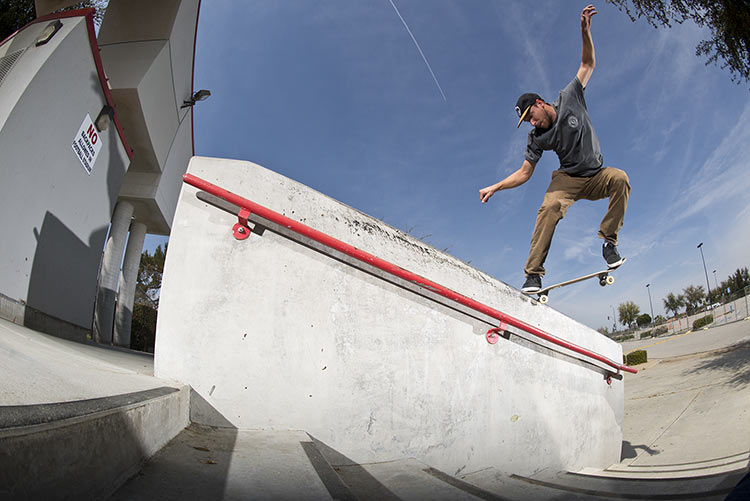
(247, 207)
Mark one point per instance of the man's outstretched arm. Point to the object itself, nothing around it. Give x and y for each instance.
(588, 58)
(516, 179)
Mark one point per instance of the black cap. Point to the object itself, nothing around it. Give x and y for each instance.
(524, 103)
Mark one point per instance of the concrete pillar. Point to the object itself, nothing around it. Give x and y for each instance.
(128, 281)
(104, 313)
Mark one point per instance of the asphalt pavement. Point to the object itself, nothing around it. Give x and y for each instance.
(690, 403)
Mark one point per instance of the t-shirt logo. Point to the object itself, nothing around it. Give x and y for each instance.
(573, 121)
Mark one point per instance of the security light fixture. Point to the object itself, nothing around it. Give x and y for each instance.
(48, 32)
(106, 115)
(201, 95)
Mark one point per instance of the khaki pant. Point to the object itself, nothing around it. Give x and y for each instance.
(563, 191)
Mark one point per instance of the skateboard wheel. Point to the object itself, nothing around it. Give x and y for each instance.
(543, 299)
(610, 280)
(602, 282)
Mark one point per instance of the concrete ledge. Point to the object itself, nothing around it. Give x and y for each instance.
(22, 314)
(716, 486)
(85, 449)
(11, 310)
(15, 416)
(273, 333)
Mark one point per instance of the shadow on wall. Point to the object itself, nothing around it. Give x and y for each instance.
(65, 271)
(116, 169)
(63, 279)
(193, 465)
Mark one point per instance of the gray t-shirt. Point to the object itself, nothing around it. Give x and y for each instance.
(572, 135)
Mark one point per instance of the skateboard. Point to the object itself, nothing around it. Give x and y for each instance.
(604, 279)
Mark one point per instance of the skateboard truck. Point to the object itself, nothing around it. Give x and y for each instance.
(241, 229)
(493, 335)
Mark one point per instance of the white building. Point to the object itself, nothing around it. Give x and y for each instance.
(93, 130)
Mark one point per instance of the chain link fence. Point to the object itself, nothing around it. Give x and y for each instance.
(733, 309)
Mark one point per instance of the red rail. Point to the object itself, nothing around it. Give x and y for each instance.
(392, 268)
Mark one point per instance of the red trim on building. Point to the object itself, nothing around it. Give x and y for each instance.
(192, 78)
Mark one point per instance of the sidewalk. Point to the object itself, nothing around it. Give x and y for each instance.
(38, 369)
(687, 414)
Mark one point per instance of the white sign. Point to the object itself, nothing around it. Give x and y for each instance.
(87, 144)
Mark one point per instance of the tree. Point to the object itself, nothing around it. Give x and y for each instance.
(628, 312)
(724, 290)
(674, 303)
(147, 289)
(738, 281)
(643, 320)
(728, 20)
(143, 328)
(15, 14)
(693, 296)
(714, 295)
(150, 273)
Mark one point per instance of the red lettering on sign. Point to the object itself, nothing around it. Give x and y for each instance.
(93, 137)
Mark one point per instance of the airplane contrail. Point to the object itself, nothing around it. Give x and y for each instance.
(419, 49)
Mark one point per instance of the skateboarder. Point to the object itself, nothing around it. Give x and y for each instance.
(565, 127)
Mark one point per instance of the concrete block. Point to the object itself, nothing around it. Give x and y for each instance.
(273, 334)
(85, 449)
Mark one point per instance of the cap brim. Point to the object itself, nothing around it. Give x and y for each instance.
(523, 115)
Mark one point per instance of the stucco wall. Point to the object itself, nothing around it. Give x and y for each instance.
(55, 215)
(275, 335)
(148, 60)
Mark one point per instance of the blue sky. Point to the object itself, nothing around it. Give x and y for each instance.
(404, 109)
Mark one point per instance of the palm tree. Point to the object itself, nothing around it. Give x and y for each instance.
(628, 313)
(674, 303)
(693, 296)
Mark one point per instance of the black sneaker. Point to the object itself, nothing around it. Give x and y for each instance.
(611, 255)
(532, 284)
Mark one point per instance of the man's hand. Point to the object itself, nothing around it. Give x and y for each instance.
(516, 179)
(486, 193)
(586, 15)
(588, 58)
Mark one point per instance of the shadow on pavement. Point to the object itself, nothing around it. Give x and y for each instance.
(628, 450)
(732, 360)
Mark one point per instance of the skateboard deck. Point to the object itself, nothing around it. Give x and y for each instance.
(604, 279)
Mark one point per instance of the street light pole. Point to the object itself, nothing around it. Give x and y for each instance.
(650, 304)
(708, 293)
(614, 319)
(716, 282)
